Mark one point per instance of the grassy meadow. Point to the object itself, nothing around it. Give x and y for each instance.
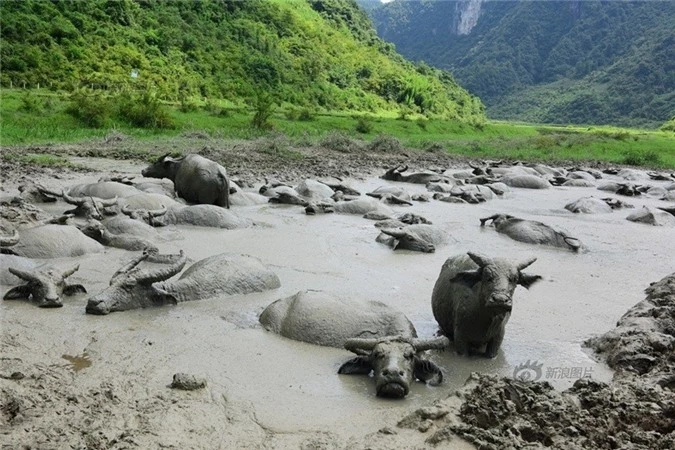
(40, 117)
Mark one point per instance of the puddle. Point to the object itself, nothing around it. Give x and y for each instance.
(79, 362)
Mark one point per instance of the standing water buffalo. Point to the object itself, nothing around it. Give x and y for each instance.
(473, 298)
(532, 232)
(196, 179)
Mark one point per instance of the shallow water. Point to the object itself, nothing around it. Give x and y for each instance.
(293, 386)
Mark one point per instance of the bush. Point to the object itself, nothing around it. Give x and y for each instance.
(30, 103)
(422, 123)
(363, 125)
(340, 142)
(305, 115)
(668, 126)
(188, 104)
(385, 143)
(90, 107)
(264, 108)
(637, 158)
(145, 110)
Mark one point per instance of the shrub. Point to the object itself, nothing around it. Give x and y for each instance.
(385, 143)
(340, 142)
(264, 107)
(30, 103)
(188, 104)
(90, 107)
(305, 115)
(422, 123)
(363, 125)
(145, 110)
(637, 158)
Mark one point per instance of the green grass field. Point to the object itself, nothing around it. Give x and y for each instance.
(30, 117)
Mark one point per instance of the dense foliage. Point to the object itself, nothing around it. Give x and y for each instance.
(308, 53)
(554, 61)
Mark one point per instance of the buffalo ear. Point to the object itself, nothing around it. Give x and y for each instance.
(427, 371)
(356, 366)
(73, 289)
(527, 280)
(469, 277)
(18, 292)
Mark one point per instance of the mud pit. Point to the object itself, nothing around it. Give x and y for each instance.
(103, 382)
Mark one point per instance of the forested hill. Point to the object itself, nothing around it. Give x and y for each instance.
(547, 61)
(314, 53)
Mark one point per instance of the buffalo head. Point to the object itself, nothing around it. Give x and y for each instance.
(44, 286)
(148, 216)
(394, 174)
(395, 362)
(90, 207)
(409, 240)
(132, 287)
(164, 167)
(498, 278)
(320, 207)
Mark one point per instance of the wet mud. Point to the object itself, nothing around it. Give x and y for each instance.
(70, 379)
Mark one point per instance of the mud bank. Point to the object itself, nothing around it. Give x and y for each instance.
(72, 380)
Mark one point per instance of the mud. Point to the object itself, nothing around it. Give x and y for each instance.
(264, 391)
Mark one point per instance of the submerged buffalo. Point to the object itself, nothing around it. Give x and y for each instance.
(132, 287)
(43, 285)
(473, 298)
(397, 174)
(196, 179)
(384, 338)
(532, 232)
(419, 237)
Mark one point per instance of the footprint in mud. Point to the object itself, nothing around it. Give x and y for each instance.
(78, 362)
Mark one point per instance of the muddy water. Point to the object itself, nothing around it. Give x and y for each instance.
(291, 386)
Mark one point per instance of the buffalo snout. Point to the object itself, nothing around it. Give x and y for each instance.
(97, 307)
(500, 302)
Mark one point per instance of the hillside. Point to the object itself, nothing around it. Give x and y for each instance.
(315, 53)
(554, 61)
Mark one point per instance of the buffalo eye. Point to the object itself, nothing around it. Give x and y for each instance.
(378, 355)
(409, 355)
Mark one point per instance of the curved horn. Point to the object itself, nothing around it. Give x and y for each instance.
(151, 276)
(404, 169)
(157, 212)
(130, 265)
(356, 344)
(24, 275)
(479, 259)
(163, 157)
(45, 191)
(109, 202)
(79, 201)
(523, 265)
(493, 217)
(398, 233)
(438, 343)
(7, 241)
(127, 211)
(69, 272)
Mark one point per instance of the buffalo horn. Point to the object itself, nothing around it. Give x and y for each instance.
(6, 241)
(27, 276)
(479, 259)
(438, 343)
(493, 217)
(523, 265)
(356, 344)
(109, 202)
(151, 276)
(397, 233)
(69, 272)
(79, 201)
(46, 191)
(157, 212)
(130, 265)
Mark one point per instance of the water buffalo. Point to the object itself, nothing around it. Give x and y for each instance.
(473, 298)
(525, 181)
(396, 174)
(97, 231)
(196, 179)
(589, 205)
(44, 285)
(54, 241)
(532, 232)
(103, 189)
(384, 338)
(394, 361)
(132, 287)
(321, 318)
(652, 216)
(359, 206)
(201, 216)
(419, 238)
